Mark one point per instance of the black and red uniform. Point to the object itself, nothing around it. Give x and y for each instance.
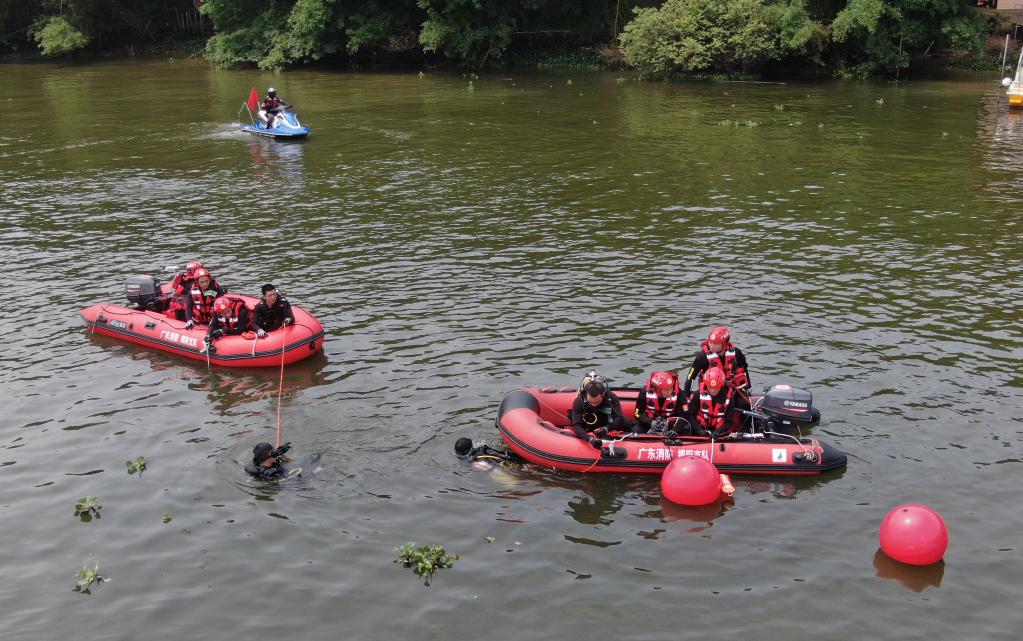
(717, 414)
(732, 361)
(650, 406)
(236, 322)
(199, 303)
(180, 286)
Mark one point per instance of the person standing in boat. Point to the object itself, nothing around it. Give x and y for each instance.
(715, 409)
(202, 293)
(597, 410)
(273, 311)
(658, 406)
(230, 318)
(180, 285)
(718, 351)
(266, 107)
(267, 462)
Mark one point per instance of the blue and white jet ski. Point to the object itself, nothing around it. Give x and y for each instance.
(283, 125)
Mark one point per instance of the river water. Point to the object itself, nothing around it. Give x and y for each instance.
(459, 238)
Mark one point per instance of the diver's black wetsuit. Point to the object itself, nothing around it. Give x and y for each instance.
(272, 473)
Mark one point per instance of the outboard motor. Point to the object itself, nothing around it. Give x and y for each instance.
(785, 409)
(144, 292)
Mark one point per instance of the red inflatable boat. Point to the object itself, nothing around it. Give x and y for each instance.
(535, 424)
(155, 329)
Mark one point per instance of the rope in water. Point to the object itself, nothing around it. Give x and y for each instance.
(280, 389)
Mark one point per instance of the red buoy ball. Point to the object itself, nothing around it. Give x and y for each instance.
(691, 480)
(914, 534)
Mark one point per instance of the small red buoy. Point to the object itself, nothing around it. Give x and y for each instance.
(691, 480)
(914, 534)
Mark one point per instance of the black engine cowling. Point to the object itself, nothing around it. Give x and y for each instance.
(144, 291)
(784, 409)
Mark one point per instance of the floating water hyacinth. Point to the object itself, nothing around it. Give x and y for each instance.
(86, 576)
(138, 466)
(87, 507)
(424, 560)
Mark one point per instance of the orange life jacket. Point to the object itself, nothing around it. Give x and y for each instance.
(712, 413)
(657, 406)
(734, 374)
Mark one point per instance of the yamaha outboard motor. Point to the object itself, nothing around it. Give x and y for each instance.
(144, 292)
(785, 409)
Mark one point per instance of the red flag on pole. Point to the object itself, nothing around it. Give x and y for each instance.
(253, 99)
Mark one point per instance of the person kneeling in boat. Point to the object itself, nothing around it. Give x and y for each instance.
(715, 409)
(596, 411)
(718, 351)
(273, 311)
(266, 107)
(658, 407)
(230, 318)
(268, 462)
(199, 304)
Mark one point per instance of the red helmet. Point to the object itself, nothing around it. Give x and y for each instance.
(714, 378)
(190, 268)
(719, 334)
(663, 380)
(222, 306)
(200, 272)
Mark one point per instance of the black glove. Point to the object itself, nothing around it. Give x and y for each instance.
(287, 321)
(282, 450)
(600, 431)
(699, 431)
(189, 324)
(261, 333)
(596, 442)
(670, 434)
(218, 333)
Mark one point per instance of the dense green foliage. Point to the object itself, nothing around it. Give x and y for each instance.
(657, 38)
(687, 36)
(59, 27)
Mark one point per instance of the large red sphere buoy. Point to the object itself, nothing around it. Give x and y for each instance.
(914, 534)
(691, 480)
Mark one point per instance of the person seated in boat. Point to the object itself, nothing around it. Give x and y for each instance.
(202, 293)
(658, 406)
(230, 318)
(715, 409)
(266, 107)
(718, 351)
(268, 462)
(273, 311)
(596, 410)
(180, 286)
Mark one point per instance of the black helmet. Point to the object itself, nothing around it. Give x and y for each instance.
(261, 452)
(271, 92)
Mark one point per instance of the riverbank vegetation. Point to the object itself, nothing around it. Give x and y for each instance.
(658, 39)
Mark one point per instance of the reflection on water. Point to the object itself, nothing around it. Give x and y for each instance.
(277, 163)
(915, 577)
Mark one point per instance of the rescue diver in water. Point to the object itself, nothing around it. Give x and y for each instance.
(470, 451)
(268, 462)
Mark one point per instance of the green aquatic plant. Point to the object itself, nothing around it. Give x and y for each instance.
(166, 518)
(87, 507)
(86, 576)
(489, 539)
(779, 107)
(138, 466)
(424, 560)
